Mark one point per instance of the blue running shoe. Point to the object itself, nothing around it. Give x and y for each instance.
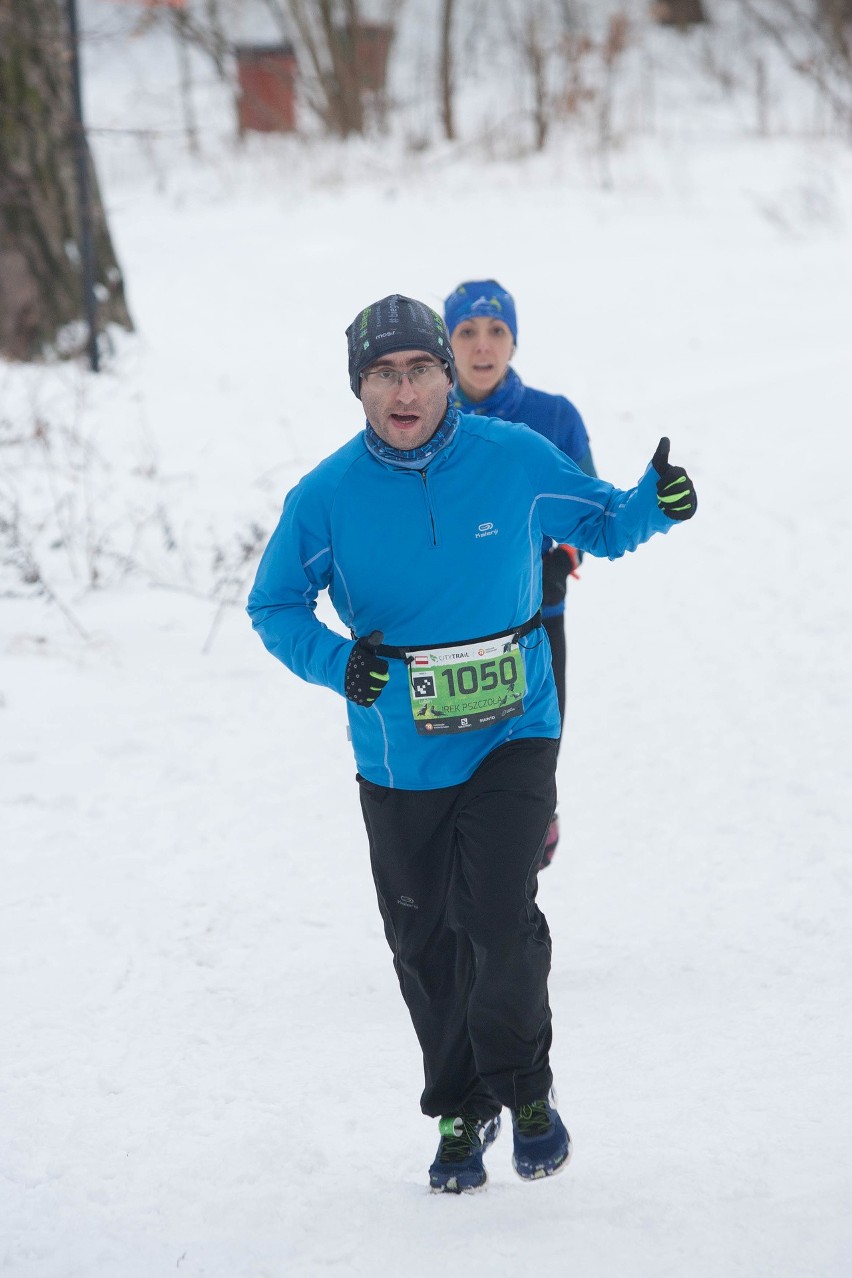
(458, 1167)
(542, 1143)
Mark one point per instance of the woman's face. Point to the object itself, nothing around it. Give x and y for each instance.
(483, 347)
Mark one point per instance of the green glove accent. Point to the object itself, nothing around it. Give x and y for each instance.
(676, 494)
(366, 673)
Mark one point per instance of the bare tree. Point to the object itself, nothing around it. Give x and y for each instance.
(678, 13)
(184, 38)
(575, 49)
(535, 49)
(338, 23)
(612, 51)
(816, 40)
(345, 55)
(532, 34)
(447, 70)
(198, 25)
(836, 15)
(41, 289)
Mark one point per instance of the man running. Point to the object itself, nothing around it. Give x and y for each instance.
(426, 529)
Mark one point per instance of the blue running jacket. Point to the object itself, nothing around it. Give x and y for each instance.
(444, 555)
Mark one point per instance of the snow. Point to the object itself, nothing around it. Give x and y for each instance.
(207, 1065)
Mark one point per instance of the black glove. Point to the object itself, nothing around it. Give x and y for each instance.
(556, 567)
(366, 673)
(676, 495)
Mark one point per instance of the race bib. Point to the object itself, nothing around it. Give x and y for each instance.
(464, 687)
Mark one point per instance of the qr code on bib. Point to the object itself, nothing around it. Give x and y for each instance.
(423, 685)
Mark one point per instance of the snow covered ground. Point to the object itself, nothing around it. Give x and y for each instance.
(207, 1067)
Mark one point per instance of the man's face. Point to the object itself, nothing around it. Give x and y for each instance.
(405, 414)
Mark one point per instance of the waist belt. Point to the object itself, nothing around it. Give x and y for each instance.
(388, 650)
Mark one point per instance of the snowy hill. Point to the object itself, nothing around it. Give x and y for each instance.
(208, 1068)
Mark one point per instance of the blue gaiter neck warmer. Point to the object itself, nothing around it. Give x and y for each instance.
(414, 458)
(503, 402)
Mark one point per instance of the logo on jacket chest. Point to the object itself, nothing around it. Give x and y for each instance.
(486, 530)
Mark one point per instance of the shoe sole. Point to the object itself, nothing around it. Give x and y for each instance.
(452, 1187)
(542, 1173)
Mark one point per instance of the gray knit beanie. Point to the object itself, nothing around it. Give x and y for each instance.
(396, 323)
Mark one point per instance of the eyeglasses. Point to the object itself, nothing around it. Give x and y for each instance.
(386, 378)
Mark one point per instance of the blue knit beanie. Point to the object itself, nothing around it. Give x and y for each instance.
(481, 297)
(396, 323)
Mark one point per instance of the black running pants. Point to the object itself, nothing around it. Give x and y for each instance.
(555, 628)
(455, 871)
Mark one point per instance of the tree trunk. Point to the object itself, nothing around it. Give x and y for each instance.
(447, 77)
(331, 33)
(41, 286)
(344, 89)
(678, 13)
(184, 37)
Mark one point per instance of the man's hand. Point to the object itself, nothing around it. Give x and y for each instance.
(557, 565)
(676, 495)
(366, 674)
